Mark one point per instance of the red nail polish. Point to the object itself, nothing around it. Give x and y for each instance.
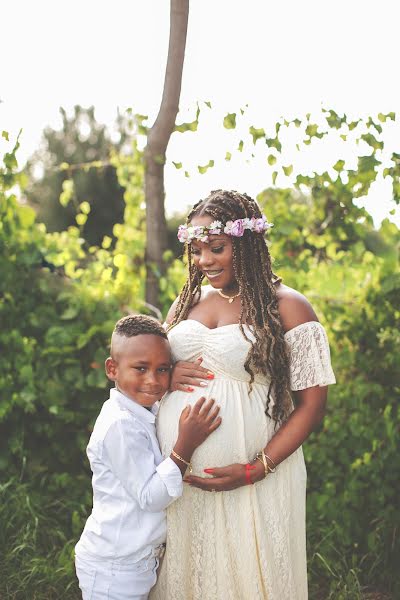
(210, 376)
(208, 470)
(190, 389)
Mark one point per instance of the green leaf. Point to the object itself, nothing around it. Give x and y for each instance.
(288, 170)
(271, 159)
(81, 219)
(371, 123)
(312, 131)
(240, 147)
(256, 133)
(339, 165)
(274, 176)
(274, 143)
(85, 207)
(177, 165)
(228, 156)
(67, 192)
(372, 141)
(182, 127)
(230, 121)
(4, 134)
(205, 168)
(70, 313)
(367, 163)
(207, 104)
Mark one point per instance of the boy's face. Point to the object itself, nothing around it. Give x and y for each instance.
(141, 367)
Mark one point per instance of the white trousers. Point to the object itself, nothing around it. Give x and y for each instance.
(100, 580)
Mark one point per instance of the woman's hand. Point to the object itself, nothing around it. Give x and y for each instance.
(227, 478)
(188, 374)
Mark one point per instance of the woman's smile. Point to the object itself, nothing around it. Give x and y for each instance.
(212, 274)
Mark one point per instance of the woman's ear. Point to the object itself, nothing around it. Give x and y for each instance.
(111, 368)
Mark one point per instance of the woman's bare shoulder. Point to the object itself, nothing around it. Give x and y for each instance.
(294, 308)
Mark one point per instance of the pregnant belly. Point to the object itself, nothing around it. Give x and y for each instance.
(244, 430)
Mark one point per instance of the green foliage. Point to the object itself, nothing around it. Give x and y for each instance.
(73, 165)
(59, 298)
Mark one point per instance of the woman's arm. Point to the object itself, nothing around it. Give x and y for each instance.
(307, 415)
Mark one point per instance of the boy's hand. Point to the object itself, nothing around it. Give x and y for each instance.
(195, 425)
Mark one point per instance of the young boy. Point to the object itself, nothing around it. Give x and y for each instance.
(117, 554)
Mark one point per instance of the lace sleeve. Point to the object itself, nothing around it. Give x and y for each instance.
(310, 359)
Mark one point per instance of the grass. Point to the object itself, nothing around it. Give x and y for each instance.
(40, 522)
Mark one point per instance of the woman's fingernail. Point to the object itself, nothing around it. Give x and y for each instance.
(210, 375)
(208, 470)
(190, 389)
(203, 383)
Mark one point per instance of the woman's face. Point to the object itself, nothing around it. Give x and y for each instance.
(214, 258)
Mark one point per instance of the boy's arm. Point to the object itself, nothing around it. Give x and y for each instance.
(129, 454)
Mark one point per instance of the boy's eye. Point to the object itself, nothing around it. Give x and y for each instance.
(140, 369)
(164, 369)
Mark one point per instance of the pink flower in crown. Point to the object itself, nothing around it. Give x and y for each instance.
(198, 231)
(259, 225)
(228, 227)
(183, 233)
(204, 239)
(237, 229)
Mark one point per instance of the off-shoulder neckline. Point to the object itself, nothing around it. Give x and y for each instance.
(306, 323)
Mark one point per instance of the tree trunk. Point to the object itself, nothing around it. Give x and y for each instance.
(157, 142)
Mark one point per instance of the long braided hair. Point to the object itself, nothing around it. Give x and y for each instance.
(257, 286)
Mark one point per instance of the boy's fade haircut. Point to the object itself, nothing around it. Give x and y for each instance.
(133, 325)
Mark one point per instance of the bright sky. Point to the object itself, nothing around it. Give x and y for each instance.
(282, 58)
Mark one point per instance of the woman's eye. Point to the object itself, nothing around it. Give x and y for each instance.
(195, 252)
(217, 250)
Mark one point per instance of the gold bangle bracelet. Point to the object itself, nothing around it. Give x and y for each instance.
(266, 470)
(188, 464)
(261, 457)
(271, 461)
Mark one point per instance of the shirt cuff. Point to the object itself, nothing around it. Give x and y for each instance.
(171, 476)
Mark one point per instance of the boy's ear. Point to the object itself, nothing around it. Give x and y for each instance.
(111, 368)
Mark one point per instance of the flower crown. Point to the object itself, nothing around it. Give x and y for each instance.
(188, 233)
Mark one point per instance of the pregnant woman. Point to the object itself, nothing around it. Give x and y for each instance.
(256, 346)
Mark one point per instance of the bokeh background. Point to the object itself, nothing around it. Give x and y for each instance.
(296, 104)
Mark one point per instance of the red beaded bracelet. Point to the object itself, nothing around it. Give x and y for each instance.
(249, 468)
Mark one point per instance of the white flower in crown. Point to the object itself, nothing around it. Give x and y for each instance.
(215, 228)
(191, 234)
(228, 227)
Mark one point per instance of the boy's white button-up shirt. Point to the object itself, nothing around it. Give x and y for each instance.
(132, 484)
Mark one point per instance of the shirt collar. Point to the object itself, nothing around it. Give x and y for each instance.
(137, 409)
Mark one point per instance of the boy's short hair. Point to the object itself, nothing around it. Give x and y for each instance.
(132, 325)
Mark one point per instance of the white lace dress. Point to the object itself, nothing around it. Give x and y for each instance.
(249, 543)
